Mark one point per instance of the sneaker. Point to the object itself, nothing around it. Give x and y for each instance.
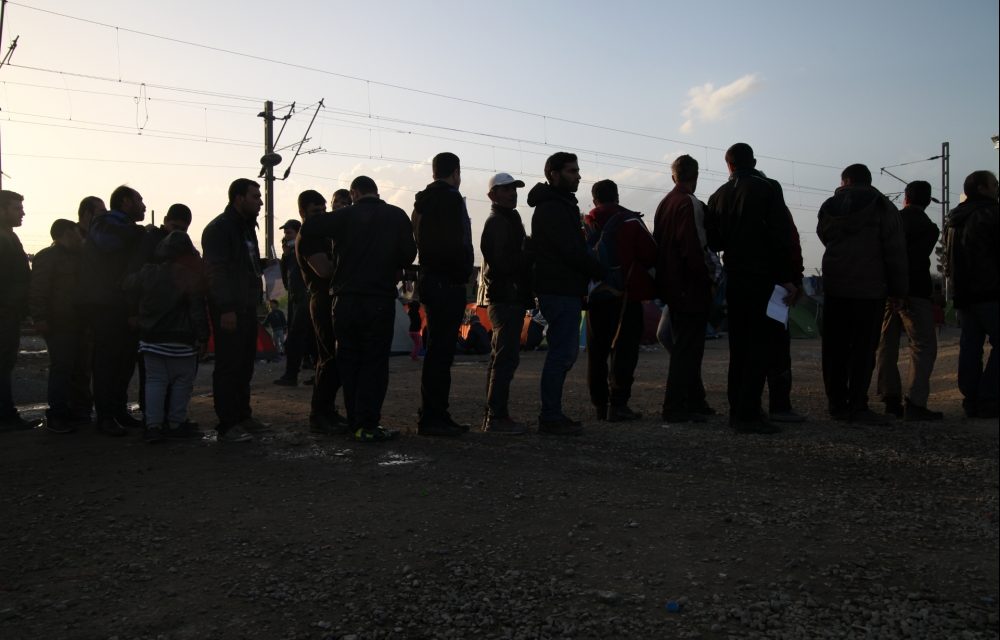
(675, 417)
(153, 433)
(869, 417)
(894, 407)
(464, 428)
(110, 427)
(255, 426)
(504, 425)
(129, 421)
(375, 434)
(286, 382)
(787, 416)
(755, 426)
(622, 414)
(560, 427)
(184, 430)
(235, 433)
(57, 424)
(326, 425)
(914, 413)
(436, 427)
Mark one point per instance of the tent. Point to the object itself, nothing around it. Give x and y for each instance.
(401, 342)
(803, 319)
(265, 345)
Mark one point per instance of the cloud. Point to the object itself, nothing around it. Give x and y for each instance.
(706, 103)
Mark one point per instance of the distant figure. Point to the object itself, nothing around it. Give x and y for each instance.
(416, 322)
(971, 241)
(90, 208)
(443, 233)
(614, 310)
(372, 244)
(562, 269)
(505, 291)
(276, 322)
(748, 221)
(477, 341)
(863, 263)
(299, 324)
(232, 261)
(52, 304)
(14, 285)
(914, 315)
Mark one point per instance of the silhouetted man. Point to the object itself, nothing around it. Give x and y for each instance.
(299, 325)
(90, 208)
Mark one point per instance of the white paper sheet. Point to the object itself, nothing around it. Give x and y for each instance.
(776, 307)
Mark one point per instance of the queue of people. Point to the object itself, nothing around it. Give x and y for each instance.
(109, 292)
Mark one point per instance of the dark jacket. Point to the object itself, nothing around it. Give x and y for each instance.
(562, 263)
(443, 233)
(972, 238)
(232, 262)
(292, 276)
(16, 274)
(921, 235)
(634, 247)
(865, 255)
(145, 251)
(372, 243)
(506, 264)
(54, 276)
(171, 294)
(315, 285)
(110, 247)
(748, 221)
(684, 277)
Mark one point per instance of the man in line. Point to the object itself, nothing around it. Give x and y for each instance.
(614, 313)
(563, 268)
(684, 278)
(443, 234)
(232, 261)
(973, 234)
(112, 242)
(299, 326)
(178, 218)
(864, 262)
(748, 221)
(90, 208)
(372, 244)
(13, 300)
(505, 291)
(914, 314)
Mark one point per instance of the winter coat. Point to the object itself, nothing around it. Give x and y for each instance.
(443, 232)
(506, 271)
(684, 271)
(16, 274)
(232, 262)
(110, 247)
(634, 246)
(972, 238)
(562, 263)
(54, 276)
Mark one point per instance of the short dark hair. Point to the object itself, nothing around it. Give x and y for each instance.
(857, 174)
(310, 197)
(275, 303)
(7, 198)
(120, 195)
(605, 192)
(343, 193)
(740, 155)
(239, 187)
(918, 192)
(364, 185)
(444, 164)
(684, 168)
(557, 161)
(975, 180)
(87, 206)
(179, 212)
(61, 226)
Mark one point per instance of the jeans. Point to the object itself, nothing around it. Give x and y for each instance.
(851, 329)
(444, 304)
(614, 330)
(327, 381)
(685, 390)
(563, 335)
(917, 320)
(978, 384)
(235, 352)
(168, 376)
(505, 355)
(364, 327)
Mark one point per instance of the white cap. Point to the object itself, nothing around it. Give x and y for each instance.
(502, 179)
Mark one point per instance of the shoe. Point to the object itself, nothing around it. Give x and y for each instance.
(915, 413)
(310, 381)
(601, 412)
(464, 428)
(759, 425)
(676, 417)
(110, 427)
(840, 414)
(235, 433)
(128, 421)
(622, 414)
(436, 427)
(57, 424)
(869, 417)
(560, 427)
(184, 430)
(703, 410)
(153, 433)
(327, 425)
(375, 434)
(255, 426)
(79, 419)
(894, 407)
(286, 382)
(787, 416)
(504, 425)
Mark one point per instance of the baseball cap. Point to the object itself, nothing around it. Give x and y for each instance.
(291, 224)
(502, 179)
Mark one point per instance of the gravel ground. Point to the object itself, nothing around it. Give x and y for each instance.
(642, 530)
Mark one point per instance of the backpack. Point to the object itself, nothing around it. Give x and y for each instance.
(603, 243)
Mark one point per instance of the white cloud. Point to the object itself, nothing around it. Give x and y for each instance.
(706, 103)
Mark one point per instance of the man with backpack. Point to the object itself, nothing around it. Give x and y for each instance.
(622, 243)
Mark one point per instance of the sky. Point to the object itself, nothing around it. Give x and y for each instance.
(165, 97)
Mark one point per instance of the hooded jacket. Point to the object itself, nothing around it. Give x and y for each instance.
(563, 266)
(684, 273)
(635, 249)
(865, 255)
(54, 277)
(972, 237)
(506, 270)
(232, 262)
(443, 232)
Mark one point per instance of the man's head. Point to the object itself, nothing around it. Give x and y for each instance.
(273, 304)
(363, 187)
(446, 167)
(11, 209)
(311, 203)
(341, 198)
(856, 175)
(980, 184)
(90, 208)
(244, 196)
(128, 201)
(684, 170)
(178, 218)
(917, 194)
(290, 229)
(503, 190)
(66, 233)
(604, 192)
(563, 171)
(739, 157)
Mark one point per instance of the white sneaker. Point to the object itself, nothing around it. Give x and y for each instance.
(235, 433)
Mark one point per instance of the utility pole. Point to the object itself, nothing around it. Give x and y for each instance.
(268, 115)
(945, 200)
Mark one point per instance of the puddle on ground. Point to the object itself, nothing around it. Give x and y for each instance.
(312, 452)
(393, 459)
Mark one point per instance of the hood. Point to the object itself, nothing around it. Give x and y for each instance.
(175, 245)
(960, 214)
(544, 192)
(600, 215)
(433, 189)
(851, 207)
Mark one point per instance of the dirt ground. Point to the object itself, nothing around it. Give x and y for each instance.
(639, 530)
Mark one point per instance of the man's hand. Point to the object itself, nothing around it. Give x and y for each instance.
(794, 293)
(227, 321)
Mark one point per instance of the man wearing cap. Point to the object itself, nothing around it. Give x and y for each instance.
(505, 291)
(299, 325)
